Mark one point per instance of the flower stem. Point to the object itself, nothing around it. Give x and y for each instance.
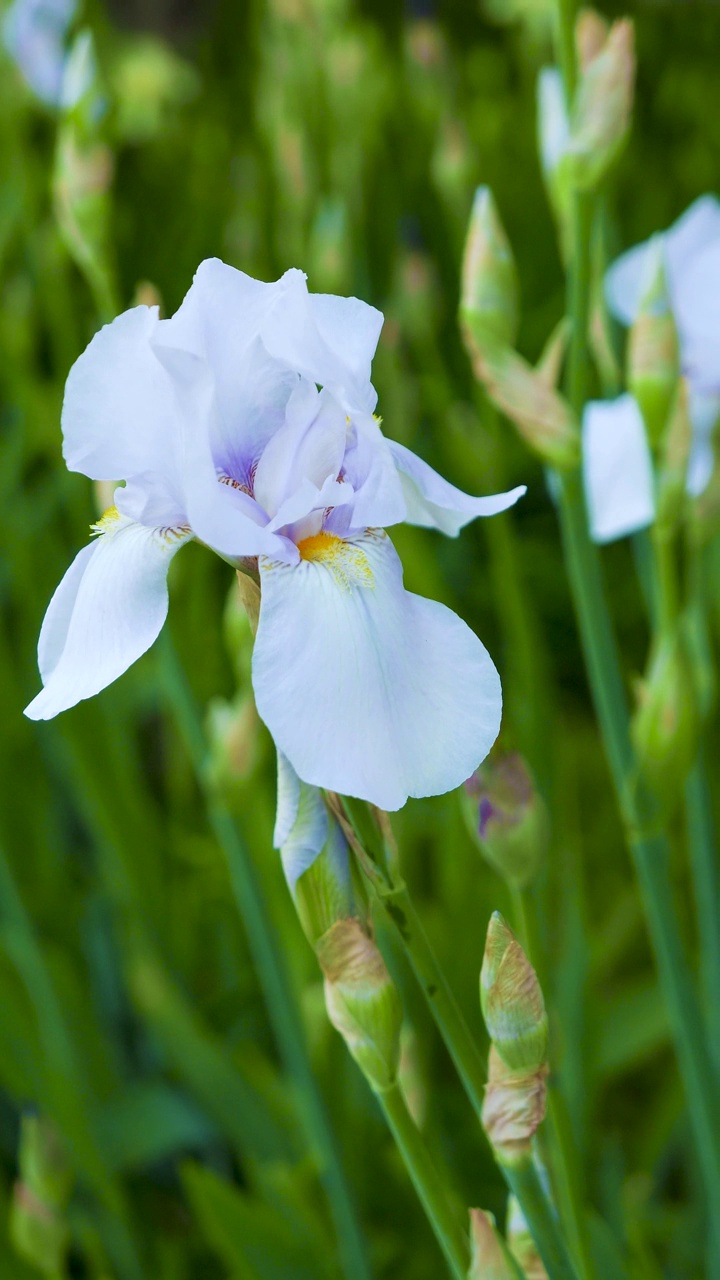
(525, 1184)
(703, 862)
(400, 910)
(428, 1183)
(649, 848)
(274, 979)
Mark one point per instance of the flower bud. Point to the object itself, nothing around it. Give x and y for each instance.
(542, 416)
(40, 1196)
(362, 1000)
(233, 730)
(507, 818)
(513, 1110)
(323, 892)
(665, 726)
(672, 480)
(490, 1259)
(522, 1245)
(600, 118)
(653, 358)
(512, 1002)
(489, 288)
(591, 32)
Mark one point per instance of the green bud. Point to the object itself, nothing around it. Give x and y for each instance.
(233, 730)
(240, 619)
(323, 893)
(653, 354)
(37, 1225)
(507, 818)
(665, 726)
(362, 1000)
(601, 113)
(542, 416)
(672, 480)
(522, 1245)
(512, 1002)
(489, 288)
(490, 1258)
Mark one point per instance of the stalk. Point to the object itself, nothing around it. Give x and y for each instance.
(274, 979)
(430, 1188)
(648, 847)
(394, 898)
(702, 844)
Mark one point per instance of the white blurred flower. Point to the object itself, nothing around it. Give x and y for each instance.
(246, 421)
(34, 33)
(692, 266)
(617, 468)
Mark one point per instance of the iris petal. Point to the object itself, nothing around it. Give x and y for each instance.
(367, 689)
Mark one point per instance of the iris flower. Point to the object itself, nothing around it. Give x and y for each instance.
(246, 421)
(616, 455)
(34, 33)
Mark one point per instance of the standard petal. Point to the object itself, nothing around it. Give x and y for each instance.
(433, 503)
(325, 342)
(108, 609)
(617, 469)
(368, 690)
(120, 412)
(309, 446)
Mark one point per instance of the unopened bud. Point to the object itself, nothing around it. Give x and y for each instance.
(512, 1002)
(591, 32)
(672, 480)
(542, 416)
(521, 1243)
(507, 818)
(38, 1228)
(323, 892)
(233, 730)
(653, 357)
(665, 726)
(489, 290)
(601, 113)
(240, 620)
(362, 1001)
(490, 1260)
(513, 1110)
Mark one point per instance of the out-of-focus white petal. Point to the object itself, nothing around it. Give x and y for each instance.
(309, 446)
(34, 34)
(696, 230)
(301, 824)
(434, 503)
(120, 412)
(553, 123)
(108, 609)
(367, 689)
(697, 311)
(617, 468)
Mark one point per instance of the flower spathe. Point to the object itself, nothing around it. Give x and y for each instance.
(246, 421)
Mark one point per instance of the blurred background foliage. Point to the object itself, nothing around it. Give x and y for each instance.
(346, 139)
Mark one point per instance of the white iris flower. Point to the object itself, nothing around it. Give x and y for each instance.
(246, 421)
(34, 33)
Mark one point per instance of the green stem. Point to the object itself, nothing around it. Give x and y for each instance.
(649, 850)
(274, 979)
(399, 908)
(525, 1184)
(428, 1183)
(565, 1166)
(706, 885)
